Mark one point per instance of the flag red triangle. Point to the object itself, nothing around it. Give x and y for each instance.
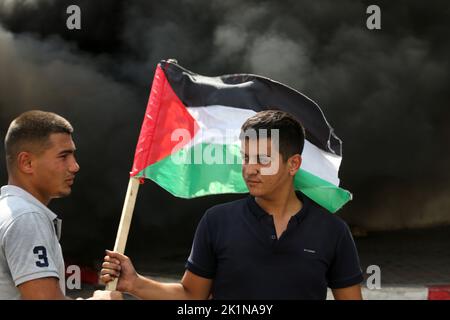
(165, 113)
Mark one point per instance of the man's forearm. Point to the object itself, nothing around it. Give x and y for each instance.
(349, 293)
(149, 289)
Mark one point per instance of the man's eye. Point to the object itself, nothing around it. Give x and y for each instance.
(264, 159)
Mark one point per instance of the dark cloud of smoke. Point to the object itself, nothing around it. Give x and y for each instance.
(385, 92)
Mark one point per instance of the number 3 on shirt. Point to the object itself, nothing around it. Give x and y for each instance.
(42, 256)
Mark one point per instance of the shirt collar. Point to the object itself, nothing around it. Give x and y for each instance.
(259, 212)
(10, 190)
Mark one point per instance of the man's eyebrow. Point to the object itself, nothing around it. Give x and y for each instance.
(66, 151)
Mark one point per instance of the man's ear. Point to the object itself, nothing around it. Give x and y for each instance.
(294, 164)
(25, 162)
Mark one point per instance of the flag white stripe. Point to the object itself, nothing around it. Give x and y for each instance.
(222, 124)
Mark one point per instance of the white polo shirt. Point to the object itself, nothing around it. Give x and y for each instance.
(29, 242)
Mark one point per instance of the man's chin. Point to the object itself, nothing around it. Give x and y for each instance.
(255, 192)
(64, 193)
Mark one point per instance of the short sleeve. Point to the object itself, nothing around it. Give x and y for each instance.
(345, 269)
(28, 243)
(202, 260)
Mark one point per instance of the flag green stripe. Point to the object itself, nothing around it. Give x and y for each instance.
(189, 179)
(324, 193)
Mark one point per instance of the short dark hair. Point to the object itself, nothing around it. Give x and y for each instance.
(33, 129)
(291, 131)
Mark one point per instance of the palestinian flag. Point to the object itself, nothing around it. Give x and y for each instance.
(189, 141)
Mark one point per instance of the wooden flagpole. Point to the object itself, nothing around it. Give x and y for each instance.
(125, 222)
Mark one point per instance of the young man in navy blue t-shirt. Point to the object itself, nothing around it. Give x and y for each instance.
(275, 244)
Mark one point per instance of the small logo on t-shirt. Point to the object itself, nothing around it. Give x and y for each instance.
(309, 250)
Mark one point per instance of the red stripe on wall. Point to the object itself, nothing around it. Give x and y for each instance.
(439, 293)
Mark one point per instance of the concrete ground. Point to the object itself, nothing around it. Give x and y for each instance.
(414, 257)
(414, 265)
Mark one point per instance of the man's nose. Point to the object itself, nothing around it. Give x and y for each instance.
(251, 169)
(75, 167)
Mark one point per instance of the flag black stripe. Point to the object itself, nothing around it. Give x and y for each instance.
(253, 92)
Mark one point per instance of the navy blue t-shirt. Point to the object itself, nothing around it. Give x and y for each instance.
(236, 245)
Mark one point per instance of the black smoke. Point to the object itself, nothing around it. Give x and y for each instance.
(385, 92)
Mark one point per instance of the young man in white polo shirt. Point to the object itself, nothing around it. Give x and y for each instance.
(41, 166)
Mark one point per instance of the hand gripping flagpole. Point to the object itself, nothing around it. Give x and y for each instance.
(147, 129)
(125, 222)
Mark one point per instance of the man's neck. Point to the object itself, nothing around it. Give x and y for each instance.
(283, 204)
(30, 189)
